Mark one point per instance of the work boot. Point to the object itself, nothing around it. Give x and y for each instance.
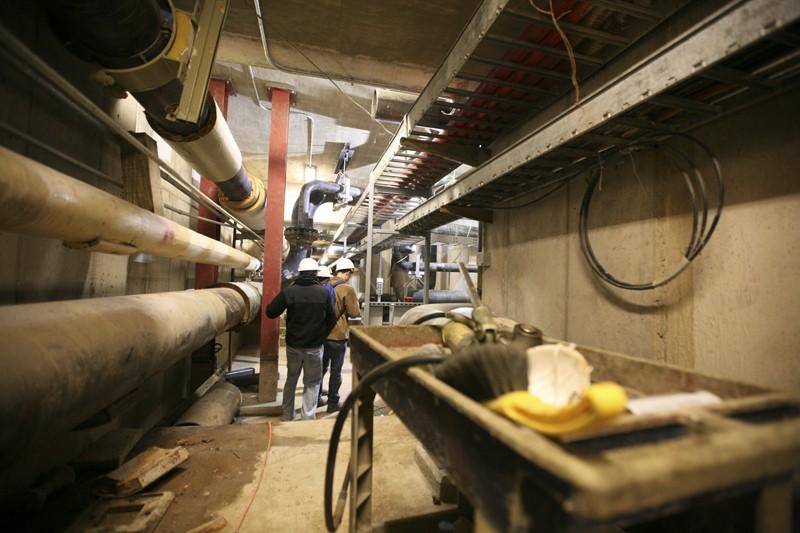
(322, 402)
(333, 407)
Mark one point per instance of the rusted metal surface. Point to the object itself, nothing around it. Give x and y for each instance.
(207, 275)
(521, 480)
(273, 244)
(66, 361)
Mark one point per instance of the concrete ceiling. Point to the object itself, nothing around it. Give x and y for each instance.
(362, 44)
(386, 43)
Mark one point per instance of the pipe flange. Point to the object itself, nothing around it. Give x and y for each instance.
(254, 202)
(166, 66)
(301, 236)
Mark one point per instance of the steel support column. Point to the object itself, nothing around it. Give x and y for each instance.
(370, 190)
(273, 241)
(207, 275)
(427, 277)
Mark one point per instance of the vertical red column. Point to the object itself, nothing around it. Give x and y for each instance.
(273, 241)
(206, 275)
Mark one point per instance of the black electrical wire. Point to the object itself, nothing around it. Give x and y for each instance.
(422, 357)
(539, 198)
(702, 230)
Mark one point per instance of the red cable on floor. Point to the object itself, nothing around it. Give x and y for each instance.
(260, 477)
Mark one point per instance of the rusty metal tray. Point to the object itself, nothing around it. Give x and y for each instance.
(636, 469)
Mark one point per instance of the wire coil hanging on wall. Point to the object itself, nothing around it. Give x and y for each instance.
(702, 226)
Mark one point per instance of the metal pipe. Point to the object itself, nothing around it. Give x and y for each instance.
(66, 361)
(33, 66)
(438, 267)
(143, 67)
(216, 408)
(38, 200)
(441, 296)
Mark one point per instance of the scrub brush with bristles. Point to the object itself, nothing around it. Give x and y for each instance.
(486, 371)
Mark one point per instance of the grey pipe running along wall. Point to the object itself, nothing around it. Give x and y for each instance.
(129, 37)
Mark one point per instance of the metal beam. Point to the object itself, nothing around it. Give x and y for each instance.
(726, 31)
(207, 275)
(548, 50)
(416, 192)
(482, 19)
(527, 87)
(569, 28)
(273, 242)
(459, 154)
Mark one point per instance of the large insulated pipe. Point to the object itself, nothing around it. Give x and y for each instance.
(140, 43)
(38, 200)
(65, 361)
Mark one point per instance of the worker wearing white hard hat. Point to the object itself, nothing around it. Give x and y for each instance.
(346, 307)
(324, 273)
(309, 318)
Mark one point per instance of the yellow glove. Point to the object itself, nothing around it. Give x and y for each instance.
(600, 402)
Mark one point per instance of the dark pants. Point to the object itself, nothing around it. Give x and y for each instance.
(333, 355)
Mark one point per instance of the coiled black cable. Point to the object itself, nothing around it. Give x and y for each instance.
(701, 229)
(422, 357)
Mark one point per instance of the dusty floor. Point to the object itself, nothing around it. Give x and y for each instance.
(227, 470)
(248, 357)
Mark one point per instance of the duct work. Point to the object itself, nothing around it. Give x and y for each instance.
(301, 235)
(38, 200)
(143, 46)
(90, 353)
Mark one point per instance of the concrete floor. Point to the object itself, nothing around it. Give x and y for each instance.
(230, 469)
(227, 472)
(248, 357)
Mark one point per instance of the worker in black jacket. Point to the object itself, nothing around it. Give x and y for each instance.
(309, 319)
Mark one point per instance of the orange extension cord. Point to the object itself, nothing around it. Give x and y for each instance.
(260, 476)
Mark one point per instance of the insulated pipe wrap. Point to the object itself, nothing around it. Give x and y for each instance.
(38, 200)
(251, 293)
(213, 153)
(65, 361)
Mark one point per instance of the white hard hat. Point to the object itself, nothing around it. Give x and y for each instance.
(324, 272)
(308, 264)
(344, 264)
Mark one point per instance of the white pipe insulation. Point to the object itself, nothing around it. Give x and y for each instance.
(213, 153)
(38, 200)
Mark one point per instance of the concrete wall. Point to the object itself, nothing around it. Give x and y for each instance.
(34, 269)
(733, 313)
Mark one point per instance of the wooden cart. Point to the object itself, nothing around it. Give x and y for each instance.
(726, 467)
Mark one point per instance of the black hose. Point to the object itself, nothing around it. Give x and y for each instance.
(422, 357)
(701, 229)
